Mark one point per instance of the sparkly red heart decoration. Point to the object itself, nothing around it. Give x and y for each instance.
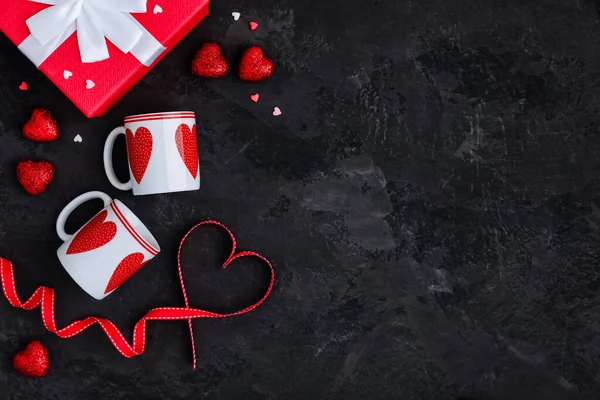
(33, 361)
(209, 62)
(35, 176)
(255, 66)
(41, 127)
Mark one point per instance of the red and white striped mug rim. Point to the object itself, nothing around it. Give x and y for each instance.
(116, 206)
(161, 116)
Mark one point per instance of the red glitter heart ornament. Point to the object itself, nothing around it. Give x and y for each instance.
(33, 361)
(35, 176)
(41, 127)
(209, 62)
(255, 66)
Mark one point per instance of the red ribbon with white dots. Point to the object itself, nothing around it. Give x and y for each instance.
(44, 297)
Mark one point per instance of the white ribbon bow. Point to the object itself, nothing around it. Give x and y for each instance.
(93, 20)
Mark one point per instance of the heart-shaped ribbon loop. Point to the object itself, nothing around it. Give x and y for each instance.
(44, 297)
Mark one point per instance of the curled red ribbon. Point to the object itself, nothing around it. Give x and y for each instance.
(44, 297)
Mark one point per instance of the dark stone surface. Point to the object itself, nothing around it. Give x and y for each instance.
(429, 197)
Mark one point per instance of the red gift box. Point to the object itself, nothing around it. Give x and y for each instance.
(138, 34)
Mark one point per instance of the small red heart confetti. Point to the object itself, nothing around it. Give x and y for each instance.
(23, 86)
(255, 66)
(253, 25)
(254, 97)
(209, 62)
(41, 127)
(33, 361)
(35, 176)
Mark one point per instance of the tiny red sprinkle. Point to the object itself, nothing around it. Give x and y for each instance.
(253, 25)
(254, 97)
(23, 86)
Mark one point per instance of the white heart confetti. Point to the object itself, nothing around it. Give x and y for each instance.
(236, 15)
(276, 112)
(78, 139)
(89, 84)
(67, 74)
(157, 9)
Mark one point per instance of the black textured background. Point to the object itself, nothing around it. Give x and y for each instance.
(429, 198)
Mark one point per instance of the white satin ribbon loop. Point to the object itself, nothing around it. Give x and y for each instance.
(95, 21)
(51, 22)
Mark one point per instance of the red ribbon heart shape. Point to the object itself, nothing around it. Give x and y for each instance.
(44, 297)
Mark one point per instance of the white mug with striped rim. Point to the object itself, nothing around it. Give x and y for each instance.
(107, 250)
(162, 152)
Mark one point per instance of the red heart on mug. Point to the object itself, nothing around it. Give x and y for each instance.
(187, 145)
(95, 234)
(125, 270)
(139, 150)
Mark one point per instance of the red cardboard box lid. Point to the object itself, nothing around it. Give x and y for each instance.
(95, 87)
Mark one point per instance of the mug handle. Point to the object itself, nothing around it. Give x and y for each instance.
(108, 164)
(64, 214)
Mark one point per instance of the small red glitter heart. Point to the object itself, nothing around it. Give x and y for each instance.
(33, 361)
(35, 176)
(253, 25)
(41, 127)
(209, 62)
(254, 97)
(255, 66)
(23, 86)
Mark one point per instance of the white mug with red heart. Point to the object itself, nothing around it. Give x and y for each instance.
(107, 250)
(162, 150)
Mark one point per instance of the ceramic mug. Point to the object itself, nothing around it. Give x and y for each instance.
(162, 151)
(107, 250)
